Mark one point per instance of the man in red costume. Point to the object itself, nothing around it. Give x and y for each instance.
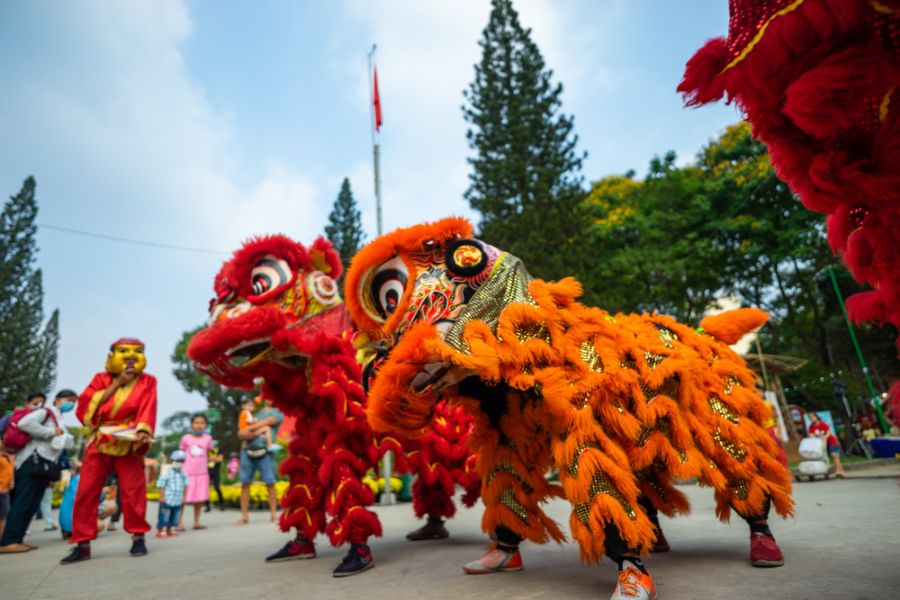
(119, 405)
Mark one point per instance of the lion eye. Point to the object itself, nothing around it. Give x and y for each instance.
(269, 274)
(388, 286)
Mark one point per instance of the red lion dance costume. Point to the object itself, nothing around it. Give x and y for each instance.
(119, 407)
(620, 405)
(278, 316)
(817, 80)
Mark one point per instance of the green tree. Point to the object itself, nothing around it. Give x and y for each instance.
(344, 228)
(725, 225)
(652, 243)
(227, 401)
(525, 178)
(28, 347)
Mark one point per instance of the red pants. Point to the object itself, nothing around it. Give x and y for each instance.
(95, 468)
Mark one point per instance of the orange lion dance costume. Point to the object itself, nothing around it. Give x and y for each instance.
(620, 405)
(278, 316)
(818, 81)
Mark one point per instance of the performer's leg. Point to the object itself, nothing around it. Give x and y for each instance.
(764, 550)
(133, 493)
(435, 502)
(95, 468)
(661, 544)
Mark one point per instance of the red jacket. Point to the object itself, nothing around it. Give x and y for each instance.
(133, 405)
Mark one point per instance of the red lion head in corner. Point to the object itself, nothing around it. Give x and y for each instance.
(274, 307)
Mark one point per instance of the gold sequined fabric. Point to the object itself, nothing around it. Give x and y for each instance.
(733, 450)
(723, 410)
(601, 484)
(588, 353)
(579, 450)
(508, 283)
(508, 499)
(740, 488)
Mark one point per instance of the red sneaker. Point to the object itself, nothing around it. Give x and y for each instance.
(494, 561)
(764, 551)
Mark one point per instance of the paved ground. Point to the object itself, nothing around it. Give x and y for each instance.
(844, 543)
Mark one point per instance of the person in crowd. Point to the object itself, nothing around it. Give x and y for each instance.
(819, 428)
(68, 500)
(234, 464)
(214, 466)
(65, 401)
(256, 456)
(172, 485)
(109, 505)
(36, 465)
(247, 418)
(119, 405)
(7, 481)
(197, 445)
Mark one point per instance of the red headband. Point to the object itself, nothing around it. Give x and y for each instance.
(123, 341)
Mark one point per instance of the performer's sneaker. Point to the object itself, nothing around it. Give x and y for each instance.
(495, 560)
(764, 551)
(634, 584)
(79, 552)
(138, 546)
(433, 529)
(358, 559)
(294, 549)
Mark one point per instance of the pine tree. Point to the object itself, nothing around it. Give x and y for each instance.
(344, 228)
(525, 180)
(27, 351)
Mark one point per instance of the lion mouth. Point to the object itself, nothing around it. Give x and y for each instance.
(247, 352)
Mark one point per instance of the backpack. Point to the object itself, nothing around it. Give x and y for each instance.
(14, 438)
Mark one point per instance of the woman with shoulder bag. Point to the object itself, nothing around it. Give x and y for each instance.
(36, 466)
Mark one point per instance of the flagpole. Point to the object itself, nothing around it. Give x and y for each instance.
(376, 154)
(387, 496)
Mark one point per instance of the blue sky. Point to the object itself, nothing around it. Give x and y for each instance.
(201, 123)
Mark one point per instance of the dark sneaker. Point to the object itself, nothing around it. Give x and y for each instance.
(79, 552)
(432, 530)
(138, 546)
(294, 549)
(764, 551)
(358, 559)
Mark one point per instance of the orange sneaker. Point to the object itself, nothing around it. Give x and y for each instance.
(495, 560)
(634, 584)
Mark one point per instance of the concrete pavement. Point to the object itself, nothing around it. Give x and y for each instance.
(844, 543)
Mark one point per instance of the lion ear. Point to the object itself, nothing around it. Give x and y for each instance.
(319, 262)
(466, 258)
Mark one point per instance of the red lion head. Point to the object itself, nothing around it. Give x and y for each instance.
(273, 293)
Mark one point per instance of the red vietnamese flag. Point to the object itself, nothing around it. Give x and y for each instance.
(376, 100)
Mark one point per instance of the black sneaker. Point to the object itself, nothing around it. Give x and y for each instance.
(358, 559)
(138, 546)
(79, 552)
(297, 548)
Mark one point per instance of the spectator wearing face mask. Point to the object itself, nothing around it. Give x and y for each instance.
(64, 402)
(171, 485)
(36, 463)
